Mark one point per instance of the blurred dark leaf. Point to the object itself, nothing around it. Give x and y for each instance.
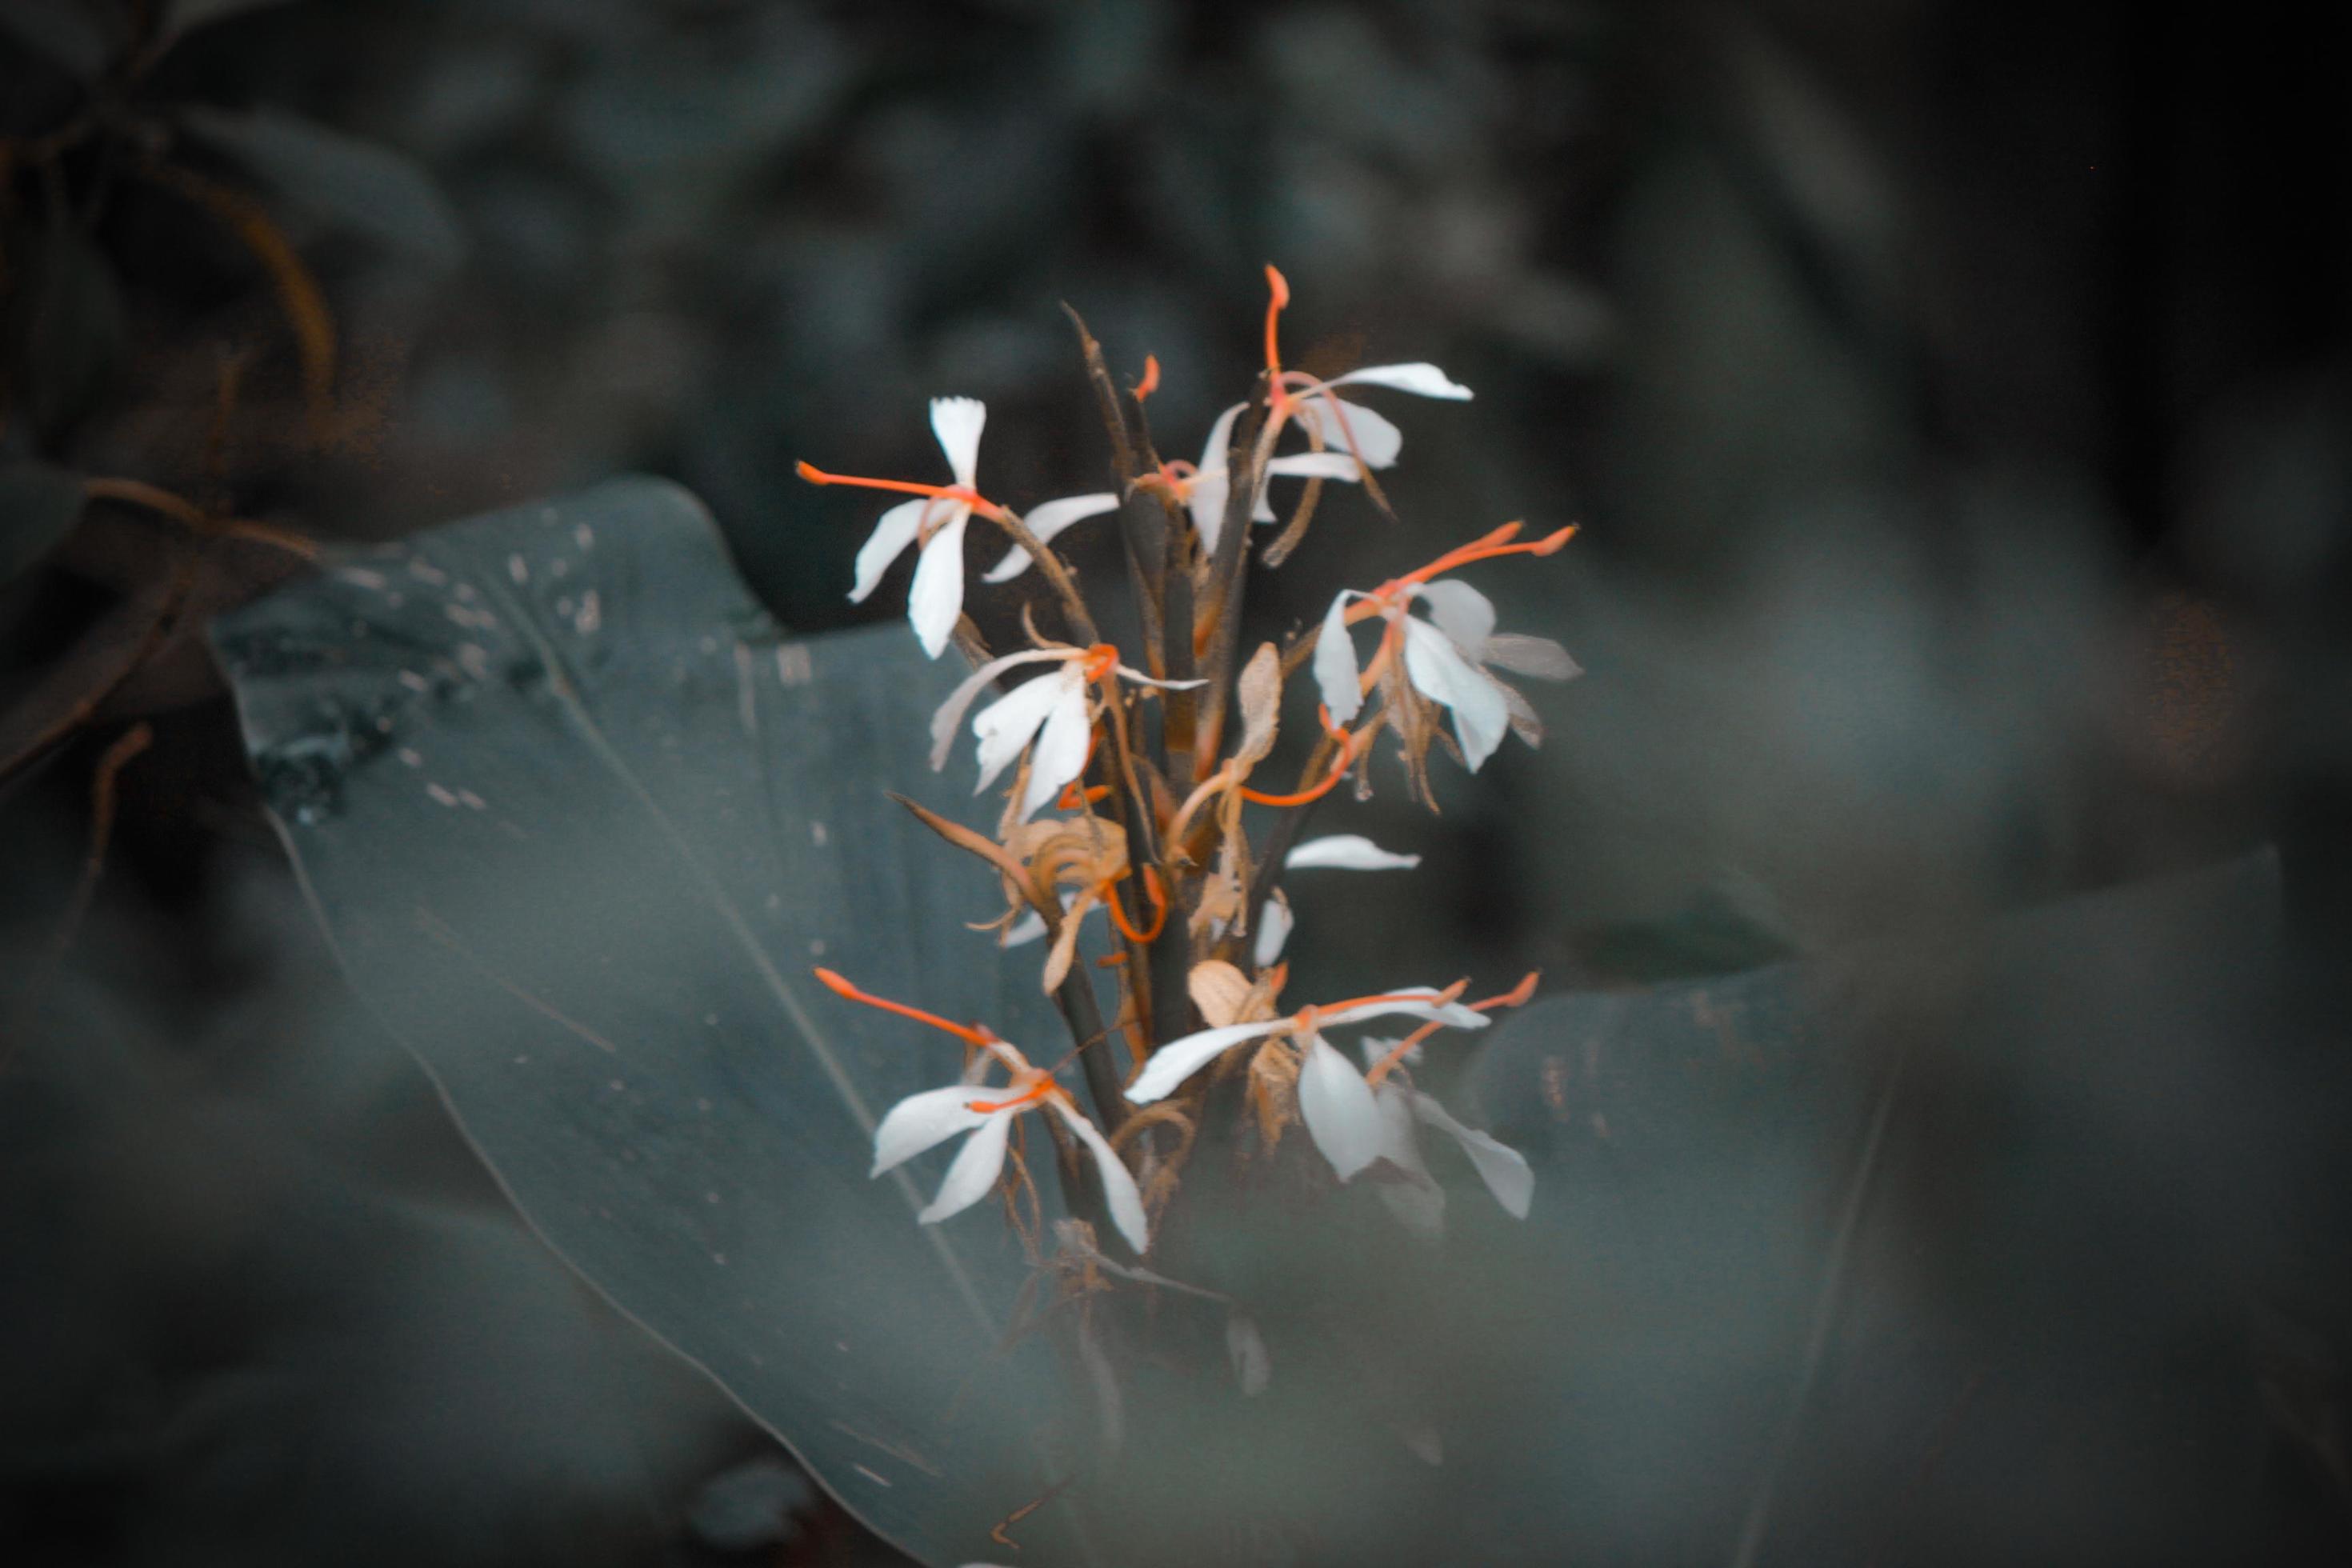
(359, 185)
(76, 33)
(578, 819)
(66, 328)
(188, 15)
(38, 506)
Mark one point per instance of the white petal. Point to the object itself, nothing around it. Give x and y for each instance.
(1245, 1347)
(923, 1121)
(1539, 658)
(1481, 719)
(1178, 1059)
(1210, 485)
(937, 598)
(1409, 1002)
(1348, 852)
(1420, 376)
(974, 1168)
(893, 532)
(1503, 1168)
(1006, 725)
(1462, 613)
(957, 421)
(950, 712)
(1336, 671)
(1136, 678)
(1372, 1048)
(1024, 930)
(1046, 519)
(1369, 435)
(1274, 923)
(1119, 1190)
(1315, 465)
(1415, 1198)
(1338, 1107)
(1061, 752)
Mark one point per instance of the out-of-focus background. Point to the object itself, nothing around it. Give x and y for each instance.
(1954, 398)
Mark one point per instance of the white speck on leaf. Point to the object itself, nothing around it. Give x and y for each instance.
(441, 794)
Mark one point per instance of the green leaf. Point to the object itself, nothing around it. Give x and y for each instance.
(39, 504)
(578, 818)
(66, 330)
(74, 34)
(359, 185)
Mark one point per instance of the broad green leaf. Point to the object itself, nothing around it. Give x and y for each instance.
(360, 185)
(39, 504)
(578, 819)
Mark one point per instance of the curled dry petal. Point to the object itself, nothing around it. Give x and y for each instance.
(1218, 990)
(1260, 690)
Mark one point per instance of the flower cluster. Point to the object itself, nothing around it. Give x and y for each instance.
(1132, 779)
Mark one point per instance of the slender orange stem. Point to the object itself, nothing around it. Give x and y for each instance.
(1030, 1096)
(1159, 897)
(1278, 295)
(1306, 1016)
(970, 1034)
(817, 476)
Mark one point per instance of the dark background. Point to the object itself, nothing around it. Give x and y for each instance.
(1953, 395)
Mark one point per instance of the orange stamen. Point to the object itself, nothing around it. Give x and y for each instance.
(1151, 382)
(1351, 747)
(1517, 996)
(1487, 549)
(1073, 798)
(1159, 897)
(1306, 1016)
(1100, 660)
(817, 476)
(970, 1034)
(1030, 1096)
(1278, 296)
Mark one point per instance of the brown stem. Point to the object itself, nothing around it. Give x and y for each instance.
(1221, 617)
(1057, 575)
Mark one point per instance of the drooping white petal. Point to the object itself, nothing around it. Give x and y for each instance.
(1023, 931)
(1206, 500)
(1538, 658)
(1120, 1194)
(1407, 1002)
(1503, 1168)
(1348, 852)
(1315, 465)
(893, 532)
(1006, 725)
(1366, 433)
(950, 712)
(957, 421)
(974, 1168)
(1046, 519)
(1439, 672)
(1245, 1348)
(1372, 1048)
(1178, 1059)
(1462, 612)
(1274, 923)
(1338, 1107)
(1337, 674)
(1061, 752)
(1420, 376)
(923, 1121)
(937, 598)
(1414, 1196)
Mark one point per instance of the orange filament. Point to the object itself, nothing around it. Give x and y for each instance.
(1517, 996)
(1487, 549)
(1030, 1096)
(970, 1034)
(1151, 382)
(1306, 1017)
(1278, 295)
(1154, 891)
(1100, 661)
(817, 476)
(1351, 747)
(1073, 798)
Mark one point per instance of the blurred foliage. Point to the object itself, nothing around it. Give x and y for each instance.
(1953, 395)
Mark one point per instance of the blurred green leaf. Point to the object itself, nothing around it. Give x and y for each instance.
(74, 34)
(66, 328)
(578, 818)
(357, 184)
(39, 504)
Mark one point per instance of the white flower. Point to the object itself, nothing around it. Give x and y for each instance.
(1334, 1101)
(1046, 520)
(1206, 488)
(927, 1120)
(1446, 656)
(1054, 711)
(1415, 1198)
